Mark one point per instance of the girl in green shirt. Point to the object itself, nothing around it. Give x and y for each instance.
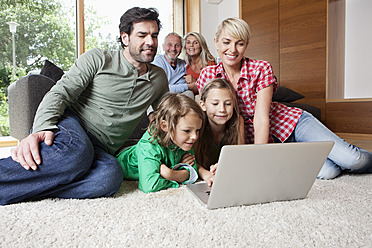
(224, 125)
(164, 156)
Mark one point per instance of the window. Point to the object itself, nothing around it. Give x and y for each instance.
(102, 20)
(47, 30)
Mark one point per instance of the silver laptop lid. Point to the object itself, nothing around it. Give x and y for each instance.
(251, 174)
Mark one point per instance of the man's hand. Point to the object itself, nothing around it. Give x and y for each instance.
(27, 152)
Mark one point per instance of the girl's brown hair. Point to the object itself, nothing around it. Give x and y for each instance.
(231, 133)
(172, 107)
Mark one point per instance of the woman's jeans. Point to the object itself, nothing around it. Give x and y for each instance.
(343, 155)
(74, 166)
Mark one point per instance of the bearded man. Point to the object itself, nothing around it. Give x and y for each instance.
(86, 117)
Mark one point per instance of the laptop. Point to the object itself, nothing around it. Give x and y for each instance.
(254, 174)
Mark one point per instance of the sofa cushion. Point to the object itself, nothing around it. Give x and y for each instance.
(283, 94)
(316, 112)
(52, 71)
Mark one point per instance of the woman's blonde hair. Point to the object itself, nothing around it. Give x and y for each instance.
(172, 107)
(231, 132)
(235, 27)
(205, 54)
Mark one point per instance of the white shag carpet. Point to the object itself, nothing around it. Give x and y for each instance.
(336, 213)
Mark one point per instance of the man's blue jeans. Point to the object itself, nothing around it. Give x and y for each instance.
(75, 166)
(343, 155)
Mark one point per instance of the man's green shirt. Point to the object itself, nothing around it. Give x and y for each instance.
(106, 93)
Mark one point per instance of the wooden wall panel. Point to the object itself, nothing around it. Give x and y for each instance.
(303, 47)
(262, 17)
(302, 71)
(349, 117)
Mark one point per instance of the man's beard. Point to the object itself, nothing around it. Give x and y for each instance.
(171, 59)
(141, 58)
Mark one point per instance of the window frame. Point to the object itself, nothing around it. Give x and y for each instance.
(186, 18)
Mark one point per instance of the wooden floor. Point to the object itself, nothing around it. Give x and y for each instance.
(361, 140)
(6, 141)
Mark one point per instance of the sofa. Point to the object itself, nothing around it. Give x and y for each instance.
(25, 95)
(289, 97)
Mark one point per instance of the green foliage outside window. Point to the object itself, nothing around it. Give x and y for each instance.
(46, 31)
(4, 120)
(6, 77)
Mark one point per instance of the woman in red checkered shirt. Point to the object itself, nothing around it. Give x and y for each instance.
(266, 121)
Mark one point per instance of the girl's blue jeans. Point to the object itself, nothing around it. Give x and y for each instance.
(75, 166)
(343, 156)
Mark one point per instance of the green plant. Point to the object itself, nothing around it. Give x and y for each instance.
(6, 78)
(4, 118)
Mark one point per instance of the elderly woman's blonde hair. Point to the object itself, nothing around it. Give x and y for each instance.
(235, 27)
(205, 54)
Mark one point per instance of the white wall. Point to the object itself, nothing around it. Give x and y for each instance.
(212, 15)
(358, 53)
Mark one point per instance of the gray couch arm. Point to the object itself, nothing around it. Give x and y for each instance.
(24, 97)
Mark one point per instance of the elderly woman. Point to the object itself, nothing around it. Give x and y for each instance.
(197, 55)
(266, 121)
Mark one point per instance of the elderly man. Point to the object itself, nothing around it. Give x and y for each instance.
(86, 117)
(174, 67)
